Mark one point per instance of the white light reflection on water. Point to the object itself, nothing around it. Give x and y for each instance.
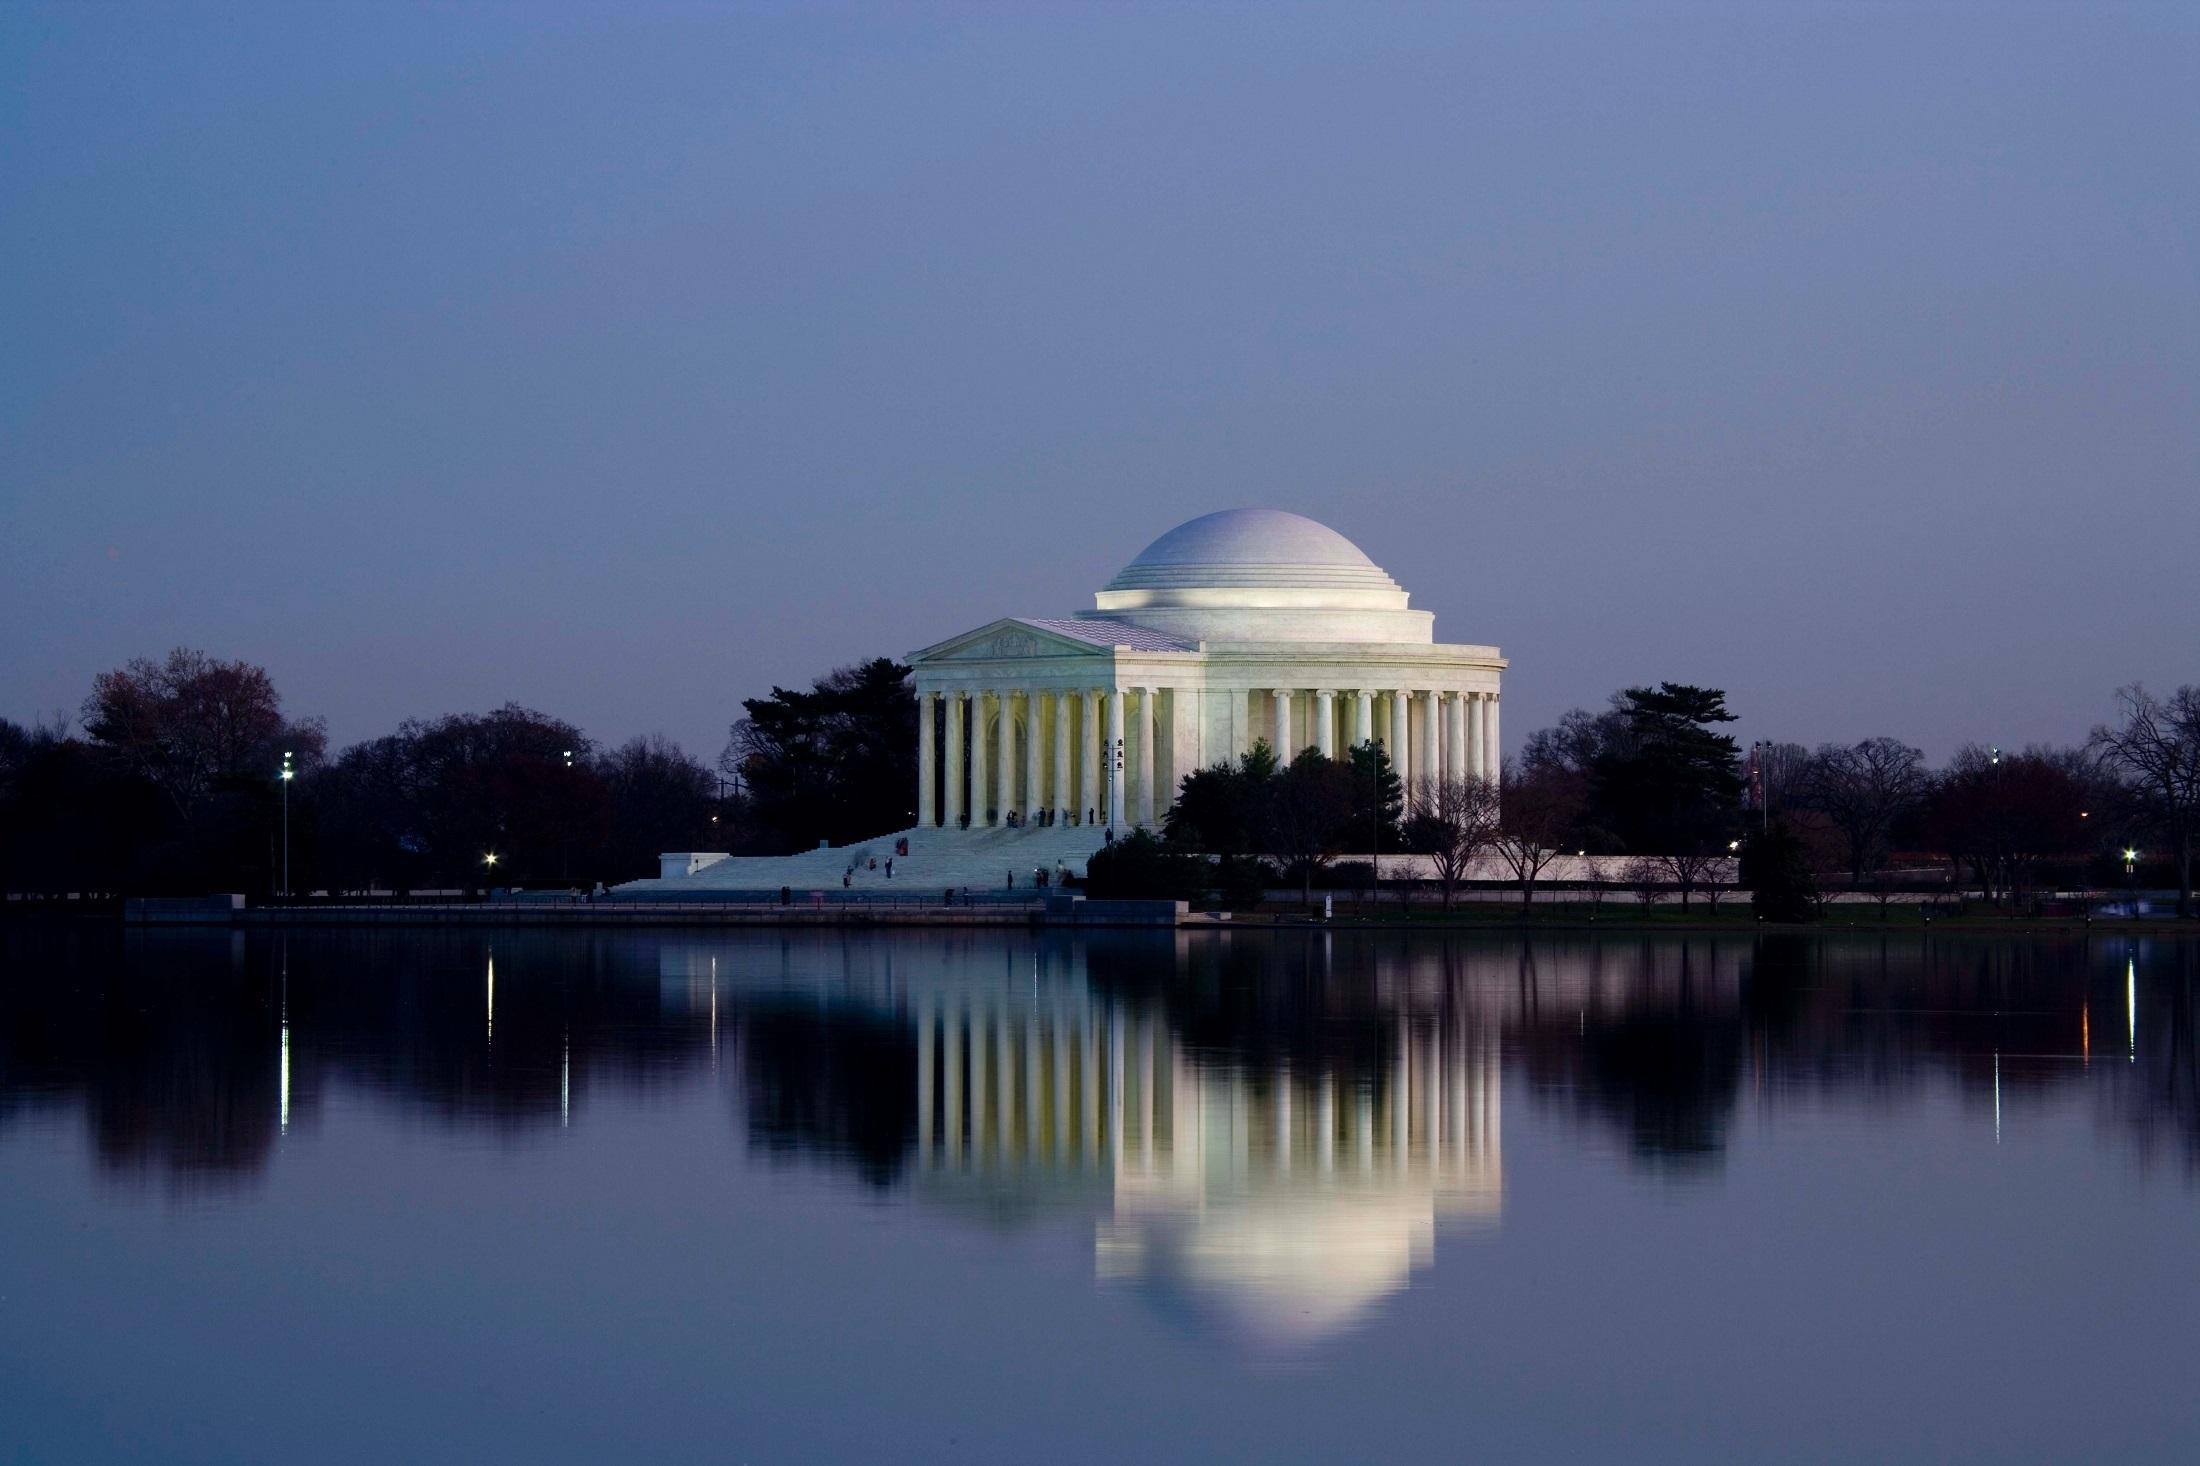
(2131, 1008)
(282, 1079)
(282, 1043)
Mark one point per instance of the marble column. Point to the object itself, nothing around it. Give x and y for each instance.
(1496, 748)
(1035, 748)
(1325, 722)
(1455, 738)
(1363, 717)
(1282, 743)
(1431, 729)
(1401, 742)
(1439, 746)
(952, 806)
(1088, 782)
(981, 788)
(1063, 794)
(928, 704)
(1113, 754)
(1004, 758)
(1241, 723)
(1477, 736)
(1427, 741)
(1149, 730)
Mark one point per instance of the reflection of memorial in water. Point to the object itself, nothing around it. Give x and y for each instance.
(189, 1056)
(1275, 1203)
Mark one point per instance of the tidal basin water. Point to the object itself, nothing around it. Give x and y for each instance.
(425, 1196)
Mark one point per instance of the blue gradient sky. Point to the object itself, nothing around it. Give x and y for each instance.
(625, 364)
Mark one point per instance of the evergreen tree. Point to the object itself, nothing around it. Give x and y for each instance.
(1139, 867)
(1224, 809)
(1378, 798)
(1668, 783)
(837, 762)
(1775, 869)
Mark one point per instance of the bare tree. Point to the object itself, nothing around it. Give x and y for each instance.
(2006, 815)
(1688, 873)
(1596, 876)
(2155, 751)
(188, 723)
(1863, 789)
(1646, 878)
(1454, 823)
(1537, 810)
(1718, 883)
(1776, 776)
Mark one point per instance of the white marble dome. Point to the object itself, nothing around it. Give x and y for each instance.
(1251, 547)
(1261, 575)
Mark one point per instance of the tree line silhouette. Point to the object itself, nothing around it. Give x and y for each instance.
(173, 781)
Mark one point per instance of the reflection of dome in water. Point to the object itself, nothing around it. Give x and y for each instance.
(1282, 1209)
(1284, 1272)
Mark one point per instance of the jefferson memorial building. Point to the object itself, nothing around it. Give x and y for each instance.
(1234, 627)
(1039, 734)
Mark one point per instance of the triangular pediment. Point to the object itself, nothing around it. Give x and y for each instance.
(1006, 640)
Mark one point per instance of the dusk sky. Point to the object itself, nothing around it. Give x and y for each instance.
(624, 361)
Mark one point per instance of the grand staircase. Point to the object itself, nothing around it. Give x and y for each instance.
(981, 860)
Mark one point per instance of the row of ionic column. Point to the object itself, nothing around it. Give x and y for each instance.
(1428, 736)
(999, 760)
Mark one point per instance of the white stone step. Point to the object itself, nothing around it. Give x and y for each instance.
(981, 859)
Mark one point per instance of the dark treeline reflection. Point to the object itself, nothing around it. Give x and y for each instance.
(1000, 1069)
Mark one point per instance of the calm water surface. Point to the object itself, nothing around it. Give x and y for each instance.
(430, 1197)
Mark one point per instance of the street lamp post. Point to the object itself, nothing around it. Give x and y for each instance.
(2006, 873)
(288, 774)
(565, 826)
(489, 864)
